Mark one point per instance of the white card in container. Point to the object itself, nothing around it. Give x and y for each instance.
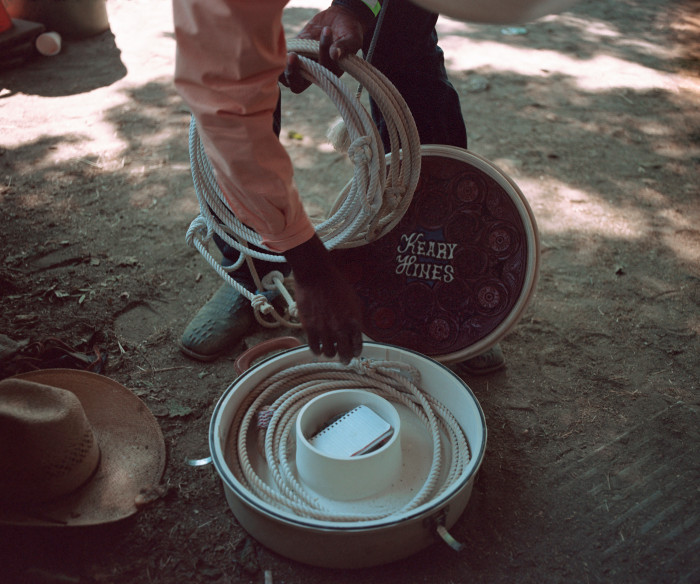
(357, 432)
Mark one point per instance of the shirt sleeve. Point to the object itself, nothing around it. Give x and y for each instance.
(230, 54)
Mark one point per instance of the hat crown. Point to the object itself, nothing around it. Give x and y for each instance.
(47, 446)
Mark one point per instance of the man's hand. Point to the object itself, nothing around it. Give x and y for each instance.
(339, 33)
(329, 309)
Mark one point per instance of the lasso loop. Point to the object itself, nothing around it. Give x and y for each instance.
(360, 151)
(369, 206)
(270, 410)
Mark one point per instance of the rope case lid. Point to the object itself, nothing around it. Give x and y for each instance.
(457, 272)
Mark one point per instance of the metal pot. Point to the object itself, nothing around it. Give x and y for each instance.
(360, 543)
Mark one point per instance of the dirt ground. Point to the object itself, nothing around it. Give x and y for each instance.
(589, 474)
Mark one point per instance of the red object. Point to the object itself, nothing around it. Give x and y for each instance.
(5, 20)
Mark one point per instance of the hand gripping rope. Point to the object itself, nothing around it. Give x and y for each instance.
(369, 206)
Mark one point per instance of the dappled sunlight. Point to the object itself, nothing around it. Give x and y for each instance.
(605, 37)
(185, 206)
(597, 57)
(148, 196)
(681, 236)
(35, 200)
(326, 147)
(563, 209)
(655, 128)
(599, 73)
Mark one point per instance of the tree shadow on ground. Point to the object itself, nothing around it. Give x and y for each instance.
(97, 59)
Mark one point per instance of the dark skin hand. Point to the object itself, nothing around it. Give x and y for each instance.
(329, 308)
(339, 33)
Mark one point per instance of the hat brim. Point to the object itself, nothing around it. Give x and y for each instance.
(132, 454)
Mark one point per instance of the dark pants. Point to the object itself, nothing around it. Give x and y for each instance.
(408, 54)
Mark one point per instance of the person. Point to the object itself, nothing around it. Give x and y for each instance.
(229, 58)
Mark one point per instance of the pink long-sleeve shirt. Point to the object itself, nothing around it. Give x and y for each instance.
(230, 54)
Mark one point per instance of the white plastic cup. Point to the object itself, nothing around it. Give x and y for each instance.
(48, 43)
(347, 478)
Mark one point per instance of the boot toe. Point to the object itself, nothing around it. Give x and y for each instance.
(218, 326)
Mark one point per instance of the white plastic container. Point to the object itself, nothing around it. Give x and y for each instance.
(347, 478)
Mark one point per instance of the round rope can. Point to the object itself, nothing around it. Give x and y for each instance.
(455, 275)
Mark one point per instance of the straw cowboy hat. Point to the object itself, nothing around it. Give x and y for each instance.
(76, 448)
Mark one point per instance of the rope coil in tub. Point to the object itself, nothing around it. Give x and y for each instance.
(280, 397)
(368, 207)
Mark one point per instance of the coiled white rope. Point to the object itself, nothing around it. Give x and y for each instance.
(368, 207)
(279, 399)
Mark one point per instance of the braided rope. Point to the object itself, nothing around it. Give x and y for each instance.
(369, 206)
(278, 400)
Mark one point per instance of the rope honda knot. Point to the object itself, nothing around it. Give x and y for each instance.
(271, 280)
(394, 195)
(361, 150)
(261, 304)
(362, 365)
(199, 228)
